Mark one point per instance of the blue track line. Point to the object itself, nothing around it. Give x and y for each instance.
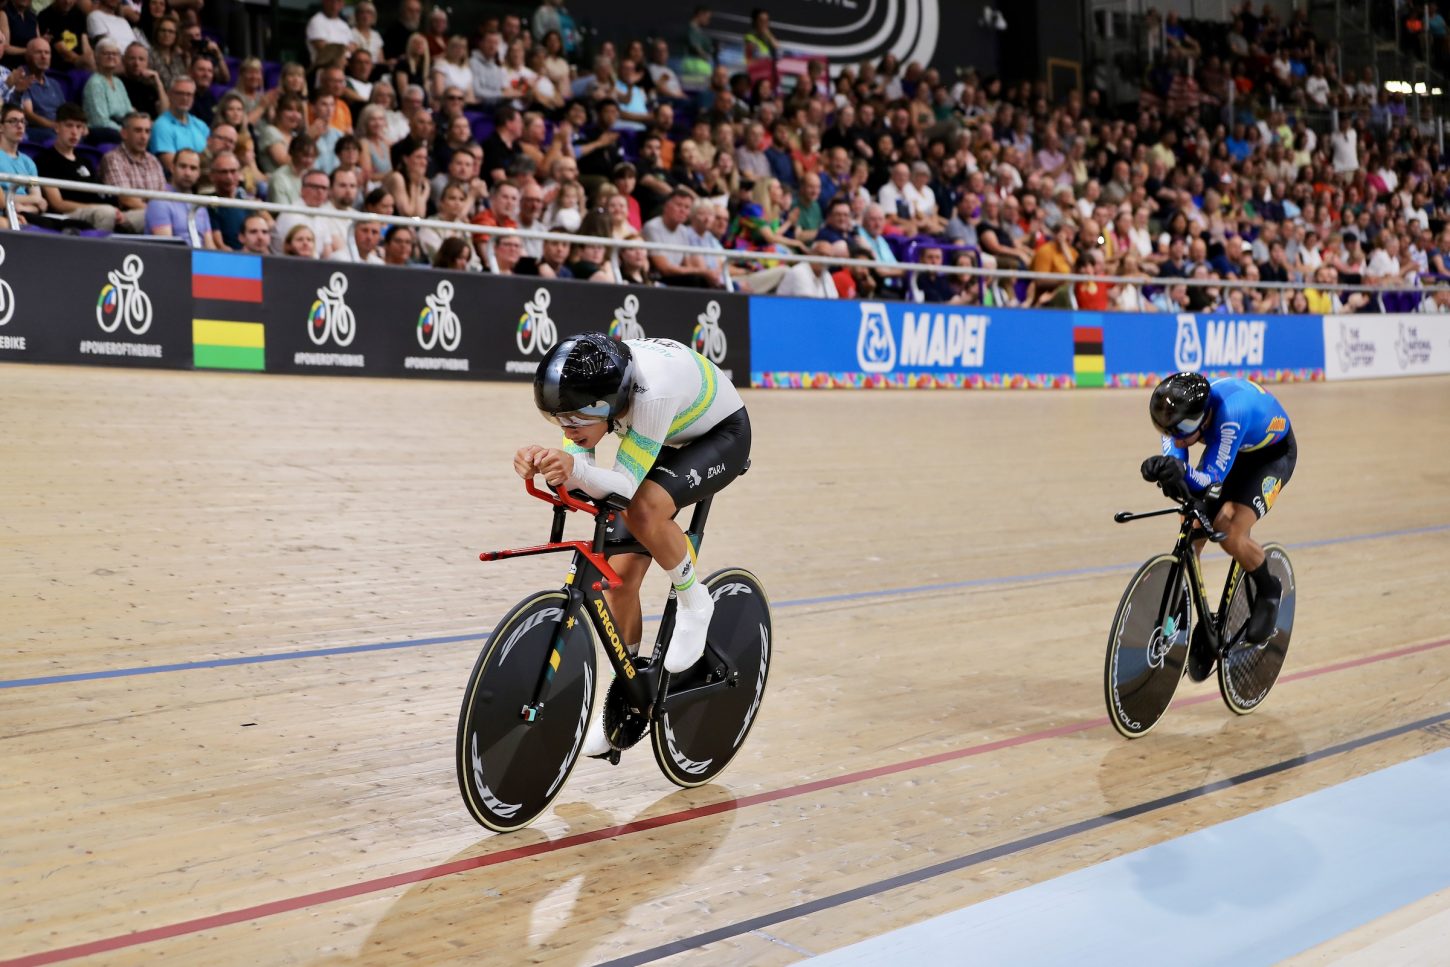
(794, 603)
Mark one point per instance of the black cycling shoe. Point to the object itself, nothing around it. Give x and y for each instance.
(1200, 655)
(1261, 624)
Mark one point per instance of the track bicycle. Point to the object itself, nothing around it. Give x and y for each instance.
(528, 700)
(1149, 641)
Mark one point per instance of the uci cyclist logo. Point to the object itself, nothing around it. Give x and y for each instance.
(1187, 347)
(122, 299)
(7, 296)
(331, 317)
(708, 338)
(875, 343)
(625, 325)
(438, 324)
(537, 331)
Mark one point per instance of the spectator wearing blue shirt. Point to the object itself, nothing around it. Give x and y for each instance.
(42, 96)
(12, 162)
(178, 128)
(871, 235)
(633, 102)
(171, 217)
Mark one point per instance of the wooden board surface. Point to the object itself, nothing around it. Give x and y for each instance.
(943, 568)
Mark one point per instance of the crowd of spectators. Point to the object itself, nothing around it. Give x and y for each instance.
(1246, 158)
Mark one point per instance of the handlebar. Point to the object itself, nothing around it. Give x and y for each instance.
(1188, 508)
(560, 497)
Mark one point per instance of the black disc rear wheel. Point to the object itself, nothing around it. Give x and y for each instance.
(1147, 647)
(697, 733)
(510, 769)
(1247, 672)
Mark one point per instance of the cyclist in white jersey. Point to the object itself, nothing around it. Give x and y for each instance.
(686, 435)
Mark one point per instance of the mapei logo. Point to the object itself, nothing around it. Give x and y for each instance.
(438, 324)
(625, 324)
(1355, 350)
(1187, 348)
(943, 339)
(1411, 348)
(7, 296)
(537, 331)
(123, 300)
(330, 317)
(1225, 342)
(875, 343)
(709, 339)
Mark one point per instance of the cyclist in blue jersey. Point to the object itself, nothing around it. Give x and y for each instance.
(1249, 455)
(686, 435)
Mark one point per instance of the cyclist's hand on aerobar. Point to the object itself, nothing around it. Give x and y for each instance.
(525, 460)
(1168, 473)
(555, 465)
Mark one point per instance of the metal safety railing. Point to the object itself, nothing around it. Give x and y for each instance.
(194, 202)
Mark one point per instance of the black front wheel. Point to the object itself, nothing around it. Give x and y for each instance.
(511, 763)
(708, 710)
(1147, 646)
(1246, 673)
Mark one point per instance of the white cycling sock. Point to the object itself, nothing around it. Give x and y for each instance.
(691, 592)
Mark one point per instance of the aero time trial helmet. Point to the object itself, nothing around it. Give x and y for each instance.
(1179, 405)
(585, 379)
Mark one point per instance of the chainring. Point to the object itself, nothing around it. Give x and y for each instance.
(623, 725)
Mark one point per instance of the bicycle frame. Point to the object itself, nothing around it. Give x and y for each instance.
(1195, 527)
(590, 574)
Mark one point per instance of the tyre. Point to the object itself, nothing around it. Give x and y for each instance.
(1147, 647)
(510, 769)
(1247, 673)
(694, 739)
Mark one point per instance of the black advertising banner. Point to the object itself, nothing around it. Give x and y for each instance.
(70, 300)
(328, 317)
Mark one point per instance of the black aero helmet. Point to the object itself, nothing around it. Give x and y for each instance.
(585, 379)
(1179, 405)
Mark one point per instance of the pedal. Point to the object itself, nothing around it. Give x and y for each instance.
(624, 725)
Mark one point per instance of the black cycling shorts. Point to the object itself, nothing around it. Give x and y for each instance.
(700, 468)
(1256, 478)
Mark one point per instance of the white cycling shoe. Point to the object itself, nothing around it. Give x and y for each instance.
(595, 743)
(687, 643)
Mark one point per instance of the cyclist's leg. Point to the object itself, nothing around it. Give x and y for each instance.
(1248, 494)
(624, 600)
(680, 477)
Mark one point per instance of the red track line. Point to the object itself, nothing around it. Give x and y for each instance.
(384, 883)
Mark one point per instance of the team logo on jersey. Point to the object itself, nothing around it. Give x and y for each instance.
(123, 300)
(709, 339)
(875, 343)
(1277, 423)
(331, 318)
(1270, 489)
(438, 324)
(625, 325)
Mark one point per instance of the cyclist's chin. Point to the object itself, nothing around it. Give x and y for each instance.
(587, 437)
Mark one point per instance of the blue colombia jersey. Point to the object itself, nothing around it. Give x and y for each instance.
(1243, 417)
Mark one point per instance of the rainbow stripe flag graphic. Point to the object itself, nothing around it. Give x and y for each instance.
(226, 325)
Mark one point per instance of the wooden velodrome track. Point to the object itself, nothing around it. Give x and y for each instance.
(943, 568)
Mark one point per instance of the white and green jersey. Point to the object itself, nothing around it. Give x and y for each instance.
(678, 396)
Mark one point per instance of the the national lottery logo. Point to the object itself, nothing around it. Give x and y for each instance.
(1187, 346)
(7, 296)
(438, 324)
(625, 324)
(1412, 348)
(537, 331)
(123, 300)
(709, 339)
(330, 318)
(1355, 350)
(875, 343)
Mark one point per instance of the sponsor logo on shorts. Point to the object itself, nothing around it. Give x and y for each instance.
(694, 477)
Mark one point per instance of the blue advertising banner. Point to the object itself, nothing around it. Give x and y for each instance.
(1141, 348)
(795, 343)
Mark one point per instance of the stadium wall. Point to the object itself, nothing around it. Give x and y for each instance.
(133, 303)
